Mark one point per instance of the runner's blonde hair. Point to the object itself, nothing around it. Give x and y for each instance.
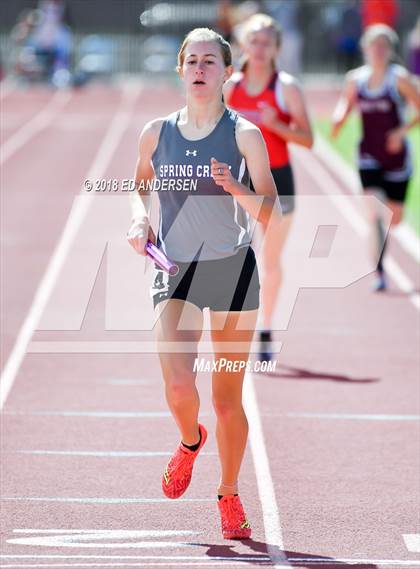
(259, 22)
(256, 23)
(379, 30)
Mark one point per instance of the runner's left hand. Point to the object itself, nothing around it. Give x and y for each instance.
(226, 180)
(394, 140)
(268, 115)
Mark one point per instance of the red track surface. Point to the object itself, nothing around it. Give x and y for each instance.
(340, 415)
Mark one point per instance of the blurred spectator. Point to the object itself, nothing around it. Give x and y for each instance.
(349, 30)
(286, 13)
(224, 19)
(380, 12)
(414, 49)
(23, 57)
(343, 29)
(52, 41)
(25, 25)
(42, 43)
(245, 10)
(96, 57)
(241, 14)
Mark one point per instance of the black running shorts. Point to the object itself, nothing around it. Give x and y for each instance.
(377, 178)
(283, 178)
(228, 284)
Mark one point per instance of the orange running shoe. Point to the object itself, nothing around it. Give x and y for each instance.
(234, 522)
(178, 472)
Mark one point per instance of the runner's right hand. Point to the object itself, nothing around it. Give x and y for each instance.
(138, 235)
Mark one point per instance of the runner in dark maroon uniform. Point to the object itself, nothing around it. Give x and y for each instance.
(381, 89)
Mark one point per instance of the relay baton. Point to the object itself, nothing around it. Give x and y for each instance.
(161, 259)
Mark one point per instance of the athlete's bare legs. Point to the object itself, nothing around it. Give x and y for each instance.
(275, 238)
(178, 367)
(377, 234)
(232, 424)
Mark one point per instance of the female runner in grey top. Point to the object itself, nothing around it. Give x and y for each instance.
(200, 160)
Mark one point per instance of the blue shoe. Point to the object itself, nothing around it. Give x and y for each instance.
(380, 283)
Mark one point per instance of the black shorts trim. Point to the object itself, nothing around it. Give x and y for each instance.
(285, 184)
(376, 178)
(228, 284)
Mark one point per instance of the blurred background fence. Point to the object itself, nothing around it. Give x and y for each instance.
(144, 35)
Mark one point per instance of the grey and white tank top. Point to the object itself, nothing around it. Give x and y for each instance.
(198, 219)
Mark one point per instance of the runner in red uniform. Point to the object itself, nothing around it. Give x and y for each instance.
(273, 101)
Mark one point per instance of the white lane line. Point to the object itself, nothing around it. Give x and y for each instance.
(405, 235)
(402, 281)
(105, 152)
(105, 539)
(318, 172)
(99, 414)
(129, 382)
(234, 560)
(163, 561)
(314, 560)
(132, 347)
(323, 150)
(142, 564)
(103, 454)
(161, 414)
(169, 557)
(412, 542)
(51, 542)
(71, 500)
(408, 239)
(109, 532)
(39, 122)
(321, 561)
(245, 557)
(271, 516)
(352, 416)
